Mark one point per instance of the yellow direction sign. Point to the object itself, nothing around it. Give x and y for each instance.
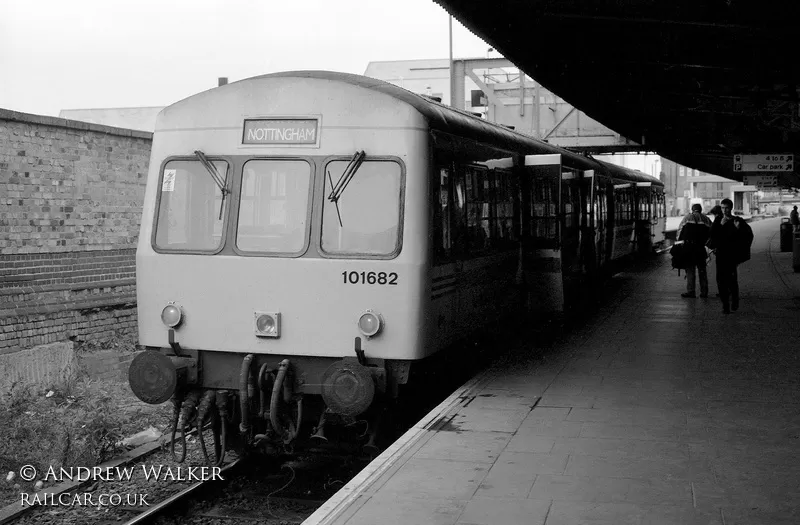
(775, 162)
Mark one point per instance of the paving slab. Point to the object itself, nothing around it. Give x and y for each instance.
(436, 478)
(473, 447)
(389, 510)
(504, 511)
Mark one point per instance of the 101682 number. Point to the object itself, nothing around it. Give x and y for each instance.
(370, 278)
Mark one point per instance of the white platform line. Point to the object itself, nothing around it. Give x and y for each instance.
(336, 505)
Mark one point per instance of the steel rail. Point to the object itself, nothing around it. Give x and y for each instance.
(14, 511)
(145, 516)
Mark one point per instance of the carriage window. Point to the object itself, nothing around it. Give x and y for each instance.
(367, 218)
(544, 215)
(273, 210)
(570, 197)
(643, 200)
(600, 213)
(441, 207)
(504, 229)
(189, 207)
(624, 206)
(479, 201)
(458, 230)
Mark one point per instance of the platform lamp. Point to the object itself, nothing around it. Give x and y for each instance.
(452, 71)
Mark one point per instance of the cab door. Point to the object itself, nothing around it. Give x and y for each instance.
(448, 204)
(658, 215)
(542, 241)
(643, 226)
(602, 221)
(623, 220)
(570, 222)
(588, 226)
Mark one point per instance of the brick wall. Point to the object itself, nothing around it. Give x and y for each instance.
(105, 364)
(70, 206)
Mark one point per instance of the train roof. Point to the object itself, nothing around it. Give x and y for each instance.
(461, 123)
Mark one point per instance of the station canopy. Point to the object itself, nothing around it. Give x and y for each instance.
(697, 81)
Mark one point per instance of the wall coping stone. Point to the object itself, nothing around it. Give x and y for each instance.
(17, 116)
(105, 301)
(24, 290)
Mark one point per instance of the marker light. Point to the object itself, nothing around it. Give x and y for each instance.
(265, 324)
(370, 323)
(268, 324)
(171, 316)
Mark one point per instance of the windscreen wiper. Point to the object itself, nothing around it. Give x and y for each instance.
(344, 180)
(220, 182)
(336, 202)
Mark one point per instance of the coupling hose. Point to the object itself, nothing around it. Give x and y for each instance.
(244, 400)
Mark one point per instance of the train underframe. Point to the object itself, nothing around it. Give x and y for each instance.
(261, 401)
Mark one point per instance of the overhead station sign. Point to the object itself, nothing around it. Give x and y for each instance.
(280, 131)
(776, 162)
(760, 181)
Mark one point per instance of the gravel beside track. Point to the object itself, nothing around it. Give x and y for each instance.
(119, 497)
(270, 492)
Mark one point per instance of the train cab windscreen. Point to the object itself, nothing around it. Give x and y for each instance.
(189, 215)
(364, 216)
(273, 207)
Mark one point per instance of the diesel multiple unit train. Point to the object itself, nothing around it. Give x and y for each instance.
(308, 238)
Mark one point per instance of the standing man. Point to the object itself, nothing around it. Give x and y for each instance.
(694, 231)
(728, 234)
(794, 218)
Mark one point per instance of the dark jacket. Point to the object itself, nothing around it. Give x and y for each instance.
(731, 240)
(694, 231)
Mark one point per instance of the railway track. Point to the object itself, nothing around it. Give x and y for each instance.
(168, 505)
(262, 489)
(256, 491)
(110, 492)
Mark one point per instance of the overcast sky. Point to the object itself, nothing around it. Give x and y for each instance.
(77, 54)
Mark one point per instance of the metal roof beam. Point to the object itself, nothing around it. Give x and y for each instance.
(655, 21)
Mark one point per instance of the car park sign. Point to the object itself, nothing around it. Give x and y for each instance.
(774, 162)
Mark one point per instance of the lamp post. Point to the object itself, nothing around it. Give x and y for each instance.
(452, 80)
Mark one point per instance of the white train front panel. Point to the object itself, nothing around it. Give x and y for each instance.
(278, 140)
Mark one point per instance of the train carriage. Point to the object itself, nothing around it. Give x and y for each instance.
(308, 237)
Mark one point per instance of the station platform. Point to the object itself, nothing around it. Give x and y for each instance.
(656, 410)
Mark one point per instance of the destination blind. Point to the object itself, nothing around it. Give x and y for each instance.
(280, 131)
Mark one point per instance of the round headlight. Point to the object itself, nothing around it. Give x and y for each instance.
(171, 316)
(370, 323)
(265, 323)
